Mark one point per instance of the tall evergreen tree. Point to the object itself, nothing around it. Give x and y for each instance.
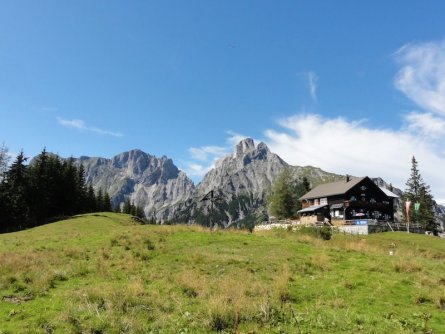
(100, 200)
(417, 191)
(81, 190)
(40, 179)
(15, 195)
(132, 209)
(127, 206)
(68, 192)
(283, 197)
(139, 212)
(91, 199)
(106, 205)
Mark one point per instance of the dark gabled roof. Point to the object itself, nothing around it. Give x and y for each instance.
(334, 188)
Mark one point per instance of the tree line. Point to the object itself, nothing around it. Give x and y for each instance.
(49, 187)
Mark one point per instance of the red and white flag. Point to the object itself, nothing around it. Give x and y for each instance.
(407, 206)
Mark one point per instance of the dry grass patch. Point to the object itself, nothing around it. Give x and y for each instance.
(281, 285)
(407, 266)
(193, 284)
(320, 261)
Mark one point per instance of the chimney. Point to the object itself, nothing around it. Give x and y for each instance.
(348, 178)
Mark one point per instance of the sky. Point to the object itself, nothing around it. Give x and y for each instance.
(352, 87)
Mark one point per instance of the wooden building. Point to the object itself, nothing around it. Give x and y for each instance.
(353, 201)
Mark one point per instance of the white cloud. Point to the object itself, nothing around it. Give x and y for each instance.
(204, 152)
(426, 124)
(351, 147)
(422, 76)
(313, 78)
(80, 125)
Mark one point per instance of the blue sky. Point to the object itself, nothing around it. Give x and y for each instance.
(349, 86)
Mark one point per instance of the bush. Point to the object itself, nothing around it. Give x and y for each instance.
(325, 233)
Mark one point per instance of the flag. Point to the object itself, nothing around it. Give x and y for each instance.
(407, 205)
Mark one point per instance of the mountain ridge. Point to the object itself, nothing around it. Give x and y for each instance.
(242, 180)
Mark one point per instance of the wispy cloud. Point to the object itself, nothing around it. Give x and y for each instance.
(422, 75)
(426, 124)
(203, 158)
(313, 79)
(81, 125)
(204, 152)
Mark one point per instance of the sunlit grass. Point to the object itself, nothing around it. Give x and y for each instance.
(104, 274)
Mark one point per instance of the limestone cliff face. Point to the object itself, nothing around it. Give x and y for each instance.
(242, 182)
(153, 183)
(251, 169)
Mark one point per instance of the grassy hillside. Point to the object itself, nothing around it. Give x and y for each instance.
(103, 274)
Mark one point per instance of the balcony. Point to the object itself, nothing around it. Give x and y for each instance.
(365, 205)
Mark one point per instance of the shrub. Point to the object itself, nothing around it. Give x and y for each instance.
(326, 233)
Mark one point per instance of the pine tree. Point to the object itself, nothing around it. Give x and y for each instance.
(68, 188)
(127, 206)
(283, 200)
(140, 212)
(106, 205)
(132, 209)
(81, 190)
(302, 188)
(100, 200)
(40, 180)
(91, 199)
(16, 195)
(418, 191)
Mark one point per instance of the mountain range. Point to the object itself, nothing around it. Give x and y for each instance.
(239, 182)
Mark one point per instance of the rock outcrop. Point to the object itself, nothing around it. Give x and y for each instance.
(153, 183)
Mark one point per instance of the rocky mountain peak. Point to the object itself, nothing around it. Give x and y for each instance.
(243, 147)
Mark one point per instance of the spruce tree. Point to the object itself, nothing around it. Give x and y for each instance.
(140, 212)
(40, 180)
(282, 200)
(81, 190)
(106, 206)
(100, 201)
(127, 206)
(16, 195)
(91, 199)
(417, 191)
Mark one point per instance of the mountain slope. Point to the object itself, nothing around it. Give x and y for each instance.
(153, 183)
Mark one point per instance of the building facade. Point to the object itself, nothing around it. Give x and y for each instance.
(353, 201)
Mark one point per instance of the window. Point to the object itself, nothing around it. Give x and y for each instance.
(316, 201)
(323, 201)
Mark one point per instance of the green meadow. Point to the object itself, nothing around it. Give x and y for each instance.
(102, 273)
